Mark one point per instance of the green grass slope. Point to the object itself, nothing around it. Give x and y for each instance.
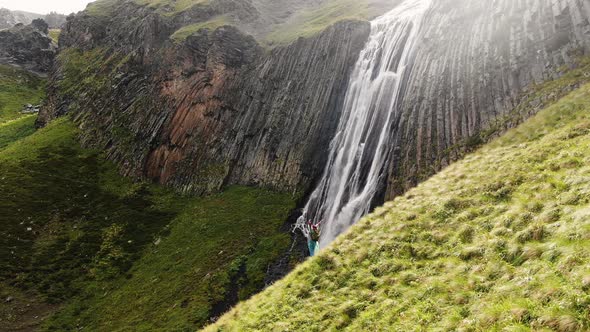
(81, 246)
(315, 19)
(14, 130)
(497, 242)
(18, 87)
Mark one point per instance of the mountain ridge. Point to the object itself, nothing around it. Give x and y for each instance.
(10, 18)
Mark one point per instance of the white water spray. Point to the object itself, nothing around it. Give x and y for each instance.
(359, 151)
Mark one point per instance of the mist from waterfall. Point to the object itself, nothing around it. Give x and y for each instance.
(359, 152)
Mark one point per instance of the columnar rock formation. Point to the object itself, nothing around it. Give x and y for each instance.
(476, 61)
(214, 109)
(219, 109)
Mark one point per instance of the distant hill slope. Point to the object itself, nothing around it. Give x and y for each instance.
(9, 18)
(498, 241)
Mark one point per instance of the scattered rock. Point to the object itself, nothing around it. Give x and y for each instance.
(30, 109)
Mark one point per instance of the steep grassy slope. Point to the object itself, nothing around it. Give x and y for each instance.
(18, 87)
(113, 252)
(498, 241)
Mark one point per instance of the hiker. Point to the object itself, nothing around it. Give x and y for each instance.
(314, 237)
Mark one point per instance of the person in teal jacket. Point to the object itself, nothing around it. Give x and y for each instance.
(314, 237)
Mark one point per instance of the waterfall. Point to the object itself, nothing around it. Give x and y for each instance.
(358, 156)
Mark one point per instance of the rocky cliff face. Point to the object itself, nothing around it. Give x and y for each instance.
(475, 75)
(218, 109)
(212, 110)
(28, 46)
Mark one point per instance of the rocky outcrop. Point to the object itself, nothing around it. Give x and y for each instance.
(28, 46)
(10, 18)
(253, 127)
(477, 61)
(214, 110)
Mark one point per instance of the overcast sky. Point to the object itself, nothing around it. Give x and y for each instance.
(45, 6)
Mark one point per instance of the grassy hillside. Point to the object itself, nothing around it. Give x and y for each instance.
(181, 34)
(14, 130)
(114, 254)
(497, 242)
(281, 22)
(18, 87)
(314, 19)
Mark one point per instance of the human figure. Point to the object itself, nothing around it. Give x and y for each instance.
(314, 237)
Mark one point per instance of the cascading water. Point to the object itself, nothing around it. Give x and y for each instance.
(359, 151)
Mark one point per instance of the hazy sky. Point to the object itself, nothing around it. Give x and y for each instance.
(45, 6)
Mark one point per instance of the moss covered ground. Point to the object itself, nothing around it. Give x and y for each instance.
(115, 255)
(499, 241)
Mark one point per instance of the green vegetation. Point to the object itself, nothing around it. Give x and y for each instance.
(118, 255)
(317, 17)
(15, 130)
(216, 252)
(87, 71)
(313, 20)
(18, 87)
(296, 20)
(537, 97)
(497, 242)
(172, 7)
(101, 8)
(181, 34)
(54, 34)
